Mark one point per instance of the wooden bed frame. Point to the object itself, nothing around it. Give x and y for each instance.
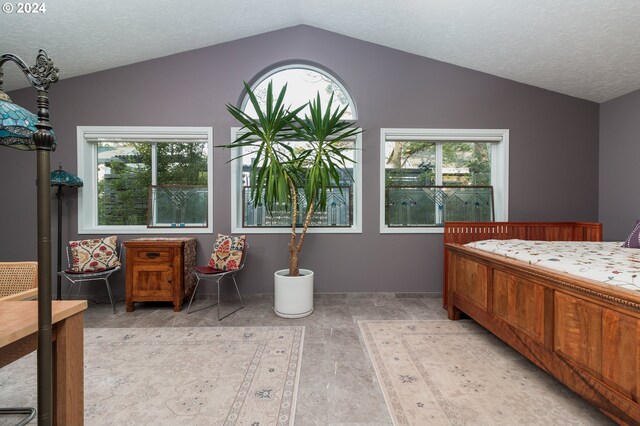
(585, 334)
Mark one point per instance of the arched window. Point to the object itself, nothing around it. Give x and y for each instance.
(344, 207)
(303, 82)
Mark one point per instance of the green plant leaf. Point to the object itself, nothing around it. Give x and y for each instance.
(275, 164)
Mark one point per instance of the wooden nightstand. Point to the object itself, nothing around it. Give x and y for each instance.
(160, 270)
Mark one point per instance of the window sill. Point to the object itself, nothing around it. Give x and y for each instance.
(416, 230)
(142, 230)
(351, 230)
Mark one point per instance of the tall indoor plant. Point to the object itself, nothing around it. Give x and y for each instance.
(280, 174)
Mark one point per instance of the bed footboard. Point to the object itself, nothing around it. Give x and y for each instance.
(584, 334)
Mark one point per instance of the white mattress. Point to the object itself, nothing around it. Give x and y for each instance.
(606, 262)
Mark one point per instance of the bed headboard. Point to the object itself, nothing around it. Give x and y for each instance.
(466, 232)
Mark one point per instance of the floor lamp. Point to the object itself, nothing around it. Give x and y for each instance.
(62, 178)
(23, 130)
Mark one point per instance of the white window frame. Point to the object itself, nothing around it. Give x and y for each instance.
(88, 136)
(499, 167)
(270, 73)
(236, 198)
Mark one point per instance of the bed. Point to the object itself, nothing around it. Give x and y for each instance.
(584, 333)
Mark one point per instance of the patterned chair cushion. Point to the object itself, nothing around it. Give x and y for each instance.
(633, 241)
(94, 255)
(227, 252)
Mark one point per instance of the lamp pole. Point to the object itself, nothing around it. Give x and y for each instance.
(60, 196)
(45, 350)
(40, 76)
(62, 178)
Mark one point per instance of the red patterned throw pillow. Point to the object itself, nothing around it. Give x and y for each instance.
(94, 255)
(227, 252)
(633, 241)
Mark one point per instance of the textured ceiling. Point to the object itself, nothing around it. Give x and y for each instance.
(588, 48)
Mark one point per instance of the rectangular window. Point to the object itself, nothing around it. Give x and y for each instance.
(136, 178)
(429, 176)
(343, 204)
(123, 171)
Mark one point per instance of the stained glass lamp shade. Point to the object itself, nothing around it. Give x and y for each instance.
(17, 125)
(64, 178)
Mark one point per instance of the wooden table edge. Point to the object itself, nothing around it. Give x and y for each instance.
(61, 309)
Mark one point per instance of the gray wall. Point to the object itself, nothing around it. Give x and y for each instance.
(553, 146)
(619, 165)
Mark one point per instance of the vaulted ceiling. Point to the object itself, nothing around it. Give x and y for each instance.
(584, 48)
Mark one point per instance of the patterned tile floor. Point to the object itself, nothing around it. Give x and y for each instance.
(338, 385)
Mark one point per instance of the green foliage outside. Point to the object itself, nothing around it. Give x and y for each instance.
(476, 157)
(123, 193)
(411, 199)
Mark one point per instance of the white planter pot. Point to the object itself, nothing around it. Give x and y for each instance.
(293, 296)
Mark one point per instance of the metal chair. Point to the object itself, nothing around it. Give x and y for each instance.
(207, 273)
(78, 277)
(18, 281)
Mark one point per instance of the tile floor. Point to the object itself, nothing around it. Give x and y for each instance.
(338, 385)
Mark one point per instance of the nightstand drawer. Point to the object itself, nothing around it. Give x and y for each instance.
(159, 255)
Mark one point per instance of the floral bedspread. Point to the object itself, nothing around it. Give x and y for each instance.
(607, 262)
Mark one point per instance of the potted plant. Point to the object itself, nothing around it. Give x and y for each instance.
(281, 175)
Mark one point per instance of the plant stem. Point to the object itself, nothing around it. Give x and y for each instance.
(307, 221)
(293, 248)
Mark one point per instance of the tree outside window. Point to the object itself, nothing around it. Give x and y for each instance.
(125, 173)
(427, 182)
